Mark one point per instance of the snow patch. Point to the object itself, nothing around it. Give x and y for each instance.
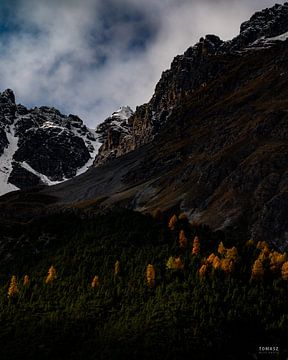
(45, 180)
(6, 161)
(124, 113)
(96, 145)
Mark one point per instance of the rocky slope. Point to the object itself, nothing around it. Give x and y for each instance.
(191, 71)
(41, 145)
(212, 142)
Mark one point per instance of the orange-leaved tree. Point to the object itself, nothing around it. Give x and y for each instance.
(26, 280)
(276, 260)
(202, 271)
(196, 246)
(221, 249)
(182, 240)
(284, 271)
(150, 275)
(257, 270)
(216, 263)
(174, 263)
(13, 287)
(117, 268)
(95, 282)
(52, 275)
(172, 222)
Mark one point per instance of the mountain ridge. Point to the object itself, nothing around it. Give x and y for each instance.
(220, 157)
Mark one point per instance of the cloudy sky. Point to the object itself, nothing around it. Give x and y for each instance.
(88, 57)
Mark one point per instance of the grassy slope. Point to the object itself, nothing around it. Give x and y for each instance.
(182, 316)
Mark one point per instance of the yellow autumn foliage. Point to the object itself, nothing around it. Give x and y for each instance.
(232, 254)
(284, 271)
(221, 249)
(216, 263)
(117, 268)
(95, 282)
(202, 271)
(263, 246)
(150, 275)
(51, 275)
(182, 240)
(172, 222)
(227, 265)
(174, 263)
(276, 260)
(196, 246)
(263, 256)
(257, 270)
(13, 287)
(211, 258)
(26, 280)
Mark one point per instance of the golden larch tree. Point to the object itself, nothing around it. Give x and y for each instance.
(211, 258)
(227, 265)
(175, 263)
(262, 256)
(232, 254)
(202, 271)
(13, 287)
(216, 263)
(26, 280)
(257, 270)
(196, 246)
(172, 222)
(182, 240)
(221, 249)
(276, 260)
(284, 271)
(117, 268)
(150, 275)
(95, 282)
(263, 246)
(52, 275)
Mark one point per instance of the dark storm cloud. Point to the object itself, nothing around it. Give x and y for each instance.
(91, 56)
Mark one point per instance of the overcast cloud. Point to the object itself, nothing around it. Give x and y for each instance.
(90, 57)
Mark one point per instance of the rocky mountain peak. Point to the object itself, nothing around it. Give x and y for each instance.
(268, 23)
(194, 71)
(123, 113)
(41, 145)
(9, 95)
(113, 131)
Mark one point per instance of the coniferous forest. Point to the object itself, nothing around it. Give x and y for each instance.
(123, 285)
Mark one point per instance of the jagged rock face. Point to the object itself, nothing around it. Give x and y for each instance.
(41, 145)
(267, 23)
(221, 158)
(114, 131)
(22, 177)
(194, 69)
(3, 140)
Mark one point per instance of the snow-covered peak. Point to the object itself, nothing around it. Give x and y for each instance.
(124, 113)
(41, 146)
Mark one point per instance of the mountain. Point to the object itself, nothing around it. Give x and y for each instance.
(119, 263)
(65, 146)
(41, 145)
(211, 142)
(199, 65)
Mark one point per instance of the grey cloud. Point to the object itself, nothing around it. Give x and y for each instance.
(90, 57)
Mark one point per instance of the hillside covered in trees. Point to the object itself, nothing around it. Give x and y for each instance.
(126, 285)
